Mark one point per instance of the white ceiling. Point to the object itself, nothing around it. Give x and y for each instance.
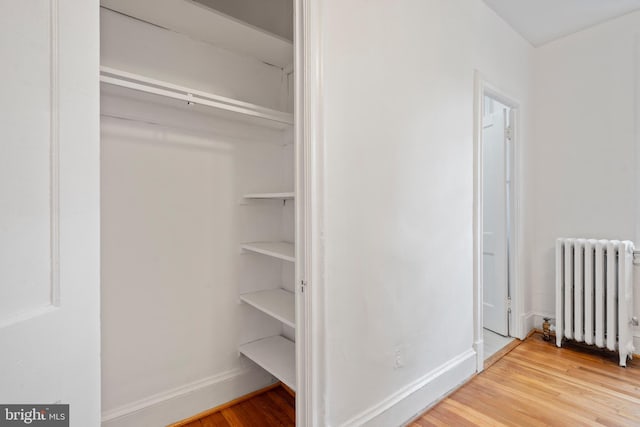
(541, 21)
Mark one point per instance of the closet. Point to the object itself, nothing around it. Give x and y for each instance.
(201, 273)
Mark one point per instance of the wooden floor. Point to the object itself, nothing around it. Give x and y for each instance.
(535, 384)
(273, 407)
(538, 384)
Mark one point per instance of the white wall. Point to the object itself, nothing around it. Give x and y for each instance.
(173, 219)
(397, 93)
(584, 155)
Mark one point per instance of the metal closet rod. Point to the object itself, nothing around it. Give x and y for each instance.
(190, 96)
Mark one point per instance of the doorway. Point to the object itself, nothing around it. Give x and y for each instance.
(496, 292)
(497, 122)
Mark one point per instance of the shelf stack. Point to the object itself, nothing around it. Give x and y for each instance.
(275, 354)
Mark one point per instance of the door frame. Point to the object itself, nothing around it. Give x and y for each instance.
(484, 88)
(309, 178)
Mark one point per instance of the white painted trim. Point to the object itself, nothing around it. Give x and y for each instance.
(388, 403)
(481, 88)
(304, 356)
(517, 227)
(636, 158)
(310, 410)
(478, 347)
(158, 398)
(636, 144)
(478, 102)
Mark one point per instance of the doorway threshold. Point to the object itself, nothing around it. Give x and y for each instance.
(496, 346)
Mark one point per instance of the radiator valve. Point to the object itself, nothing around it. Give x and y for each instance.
(546, 329)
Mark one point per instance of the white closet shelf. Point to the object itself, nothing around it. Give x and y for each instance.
(277, 303)
(190, 96)
(277, 355)
(278, 196)
(205, 24)
(280, 250)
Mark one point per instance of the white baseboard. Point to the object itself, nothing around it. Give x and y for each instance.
(419, 395)
(533, 320)
(187, 400)
(529, 321)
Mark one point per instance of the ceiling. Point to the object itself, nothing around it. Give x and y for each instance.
(542, 21)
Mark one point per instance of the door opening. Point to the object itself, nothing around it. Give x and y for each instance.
(496, 225)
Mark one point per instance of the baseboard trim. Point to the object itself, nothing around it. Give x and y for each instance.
(439, 381)
(157, 398)
(188, 398)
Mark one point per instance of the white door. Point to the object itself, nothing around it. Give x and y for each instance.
(49, 206)
(494, 193)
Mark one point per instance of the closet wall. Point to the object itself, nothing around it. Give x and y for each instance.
(173, 219)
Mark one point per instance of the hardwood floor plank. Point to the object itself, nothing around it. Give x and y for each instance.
(539, 384)
(559, 391)
(471, 414)
(284, 405)
(214, 420)
(274, 411)
(233, 416)
(449, 418)
(533, 401)
(421, 422)
(285, 394)
(247, 414)
(469, 397)
(579, 383)
(271, 406)
(196, 418)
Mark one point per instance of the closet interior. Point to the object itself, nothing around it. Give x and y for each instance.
(199, 206)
